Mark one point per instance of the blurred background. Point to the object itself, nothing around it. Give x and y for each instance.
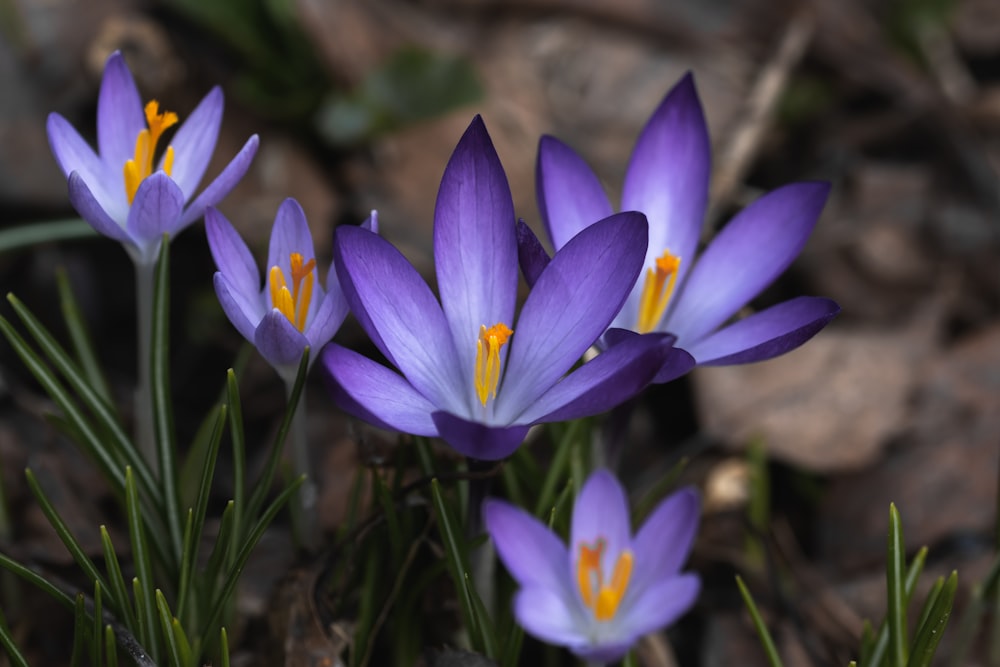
(359, 104)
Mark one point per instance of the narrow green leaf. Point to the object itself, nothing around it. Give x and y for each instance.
(7, 641)
(80, 337)
(23, 236)
(224, 647)
(367, 605)
(81, 631)
(96, 645)
(189, 552)
(381, 493)
(143, 566)
(762, 632)
(36, 580)
(145, 633)
(483, 620)
(238, 438)
(110, 647)
(512, 646)
(166, 629)
(881, 646)
(163, 406)
(74, 548)
(353, 502)
(556, 470)
(867, 642)
(896, 613)
(930, 634)
(223, 553)
(457, 565)
(925, 611)
(118, 586)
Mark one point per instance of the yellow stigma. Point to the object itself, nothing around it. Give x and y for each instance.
(488, 359)
(294, 303)
(602, 599)
(141, 166)
(656, 291)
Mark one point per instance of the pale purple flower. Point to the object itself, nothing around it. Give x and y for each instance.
(468, 372)
(123, 191)
(667, 180)
(292, 309)
(598, 596)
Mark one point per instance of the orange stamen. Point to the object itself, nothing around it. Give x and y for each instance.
(488, 359)
(293, 303)
(141, 165)
(656, 291)
(602, 599)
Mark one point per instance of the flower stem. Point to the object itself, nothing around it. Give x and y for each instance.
(305, 522)
(145, 436)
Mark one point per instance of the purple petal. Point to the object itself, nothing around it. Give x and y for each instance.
(530, 254)
(372, 392)
(769, 333)
(532, 553)
(601, 513)
(569, 195)
(664, 541)
(232, 256)
(156, 208)
(668, 174)
(90, 209)
(678, 362)
(659, 605)
(244, 311)
(401, 316)
(606, 652)
(289, 234)
(475, 251)
(611, 378)
(747, 255)
(74, 154)
(223, 183)
(546, 615)
(329, 315)
(278, 340)
(371, 222)
(195, 141)
(478, 440)
(120, 117)
(570, 306)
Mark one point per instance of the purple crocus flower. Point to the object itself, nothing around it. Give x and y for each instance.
(121, 191)
(667, 179)
(467, 372)
(292, 310)
(609, 588)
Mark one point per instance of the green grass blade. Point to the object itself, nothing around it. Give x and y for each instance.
(930, 634)
(237, 436)
(560, 462)
(23, 236)
(74, 548)
(766, 641)
(81, 626)
(224, 647)
(81, 339)
(110, 647)
(166, 629)
(118, 586)
(17, 659)
(457, 564)
(143, 566)
(163, 407)
(897, 602)
(483, 620)
(381, 493)
(96, 645)
(925, 612)
(881, 646)
(36, 580)
(223, 553)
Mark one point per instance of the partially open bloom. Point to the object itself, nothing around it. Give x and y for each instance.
(667, 180)
(293, 309)
(126, 191)
(609, 588)
(469, 373)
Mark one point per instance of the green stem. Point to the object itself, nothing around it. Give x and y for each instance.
(305, 521)
(145, 274)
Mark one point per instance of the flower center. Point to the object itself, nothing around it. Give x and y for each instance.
(294, 303)
(603, 599)
(141, 166)
(657, 290)
(488, 359)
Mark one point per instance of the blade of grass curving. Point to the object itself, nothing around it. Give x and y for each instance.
(143, 566)
(561, 502)
(224, 647)
(928, 606)
(17, 659)
(423, 447)
(36, 580)
(457, 565)
(929, 636)
(124, 613)
(233, 574)
(270, 468)
(763, 633)
(23, 236)
(80, 338)
(53, 517)
(81, 626)
(483, 620)
(560, 461)
(896, 600)
(163, 407)
(166, 628)
(237, 436)
(188, 554)
(121, 448)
